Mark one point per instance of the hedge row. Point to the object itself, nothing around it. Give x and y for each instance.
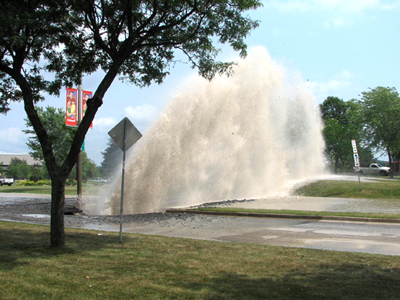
(69, 182)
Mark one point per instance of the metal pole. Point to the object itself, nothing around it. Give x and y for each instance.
(359, 180)
(122, 184)
(79, 163)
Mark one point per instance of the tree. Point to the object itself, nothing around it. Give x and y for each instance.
(18, 169)
(334, 108)
(1, 168)
(59, 134)
(381, 110)
(89, 167)
(133, 39)
(37, 173)
(112, 158)
(341, 125)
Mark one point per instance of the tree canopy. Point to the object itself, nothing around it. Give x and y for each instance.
(18, 169)
(381, 110)
(136, 40)
(60, 135)
(338, 131)
(334, 108)
(372, 120)
(343, 122)
(112, 158)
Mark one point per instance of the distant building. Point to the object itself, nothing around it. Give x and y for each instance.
(5, 158)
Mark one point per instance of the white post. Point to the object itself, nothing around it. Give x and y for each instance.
(356, 160)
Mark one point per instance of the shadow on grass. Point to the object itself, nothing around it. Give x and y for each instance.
(343, 282)
(19, 245)
(158, 267)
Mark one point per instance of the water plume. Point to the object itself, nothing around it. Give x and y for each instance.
(239, 137)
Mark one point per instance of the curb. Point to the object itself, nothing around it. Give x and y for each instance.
(285, 216)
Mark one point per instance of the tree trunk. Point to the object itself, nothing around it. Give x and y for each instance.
(57, 235)
(390, 163)
(336, 164)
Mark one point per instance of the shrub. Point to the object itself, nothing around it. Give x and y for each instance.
(43, 182)
(29, 183)
(71, 182)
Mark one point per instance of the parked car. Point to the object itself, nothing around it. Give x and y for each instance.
(6, 181)
(97, 181)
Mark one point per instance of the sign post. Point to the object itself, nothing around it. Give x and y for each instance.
(124, 135)
(75, 111)
(356, 160)
(79, 164)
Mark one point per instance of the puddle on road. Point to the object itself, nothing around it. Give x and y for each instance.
(36, 216)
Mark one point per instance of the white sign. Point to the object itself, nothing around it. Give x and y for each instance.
(355, 155)
(354, 144)
(356, 161)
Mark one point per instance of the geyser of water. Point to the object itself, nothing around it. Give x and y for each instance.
(238, 137)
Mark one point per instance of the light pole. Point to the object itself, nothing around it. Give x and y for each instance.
(79, 163)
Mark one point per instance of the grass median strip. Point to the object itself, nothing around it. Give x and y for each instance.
(299, 213)
(94, 266)
(381, 189)
(45, 189)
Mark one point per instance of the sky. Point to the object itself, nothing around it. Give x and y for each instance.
(341, 48)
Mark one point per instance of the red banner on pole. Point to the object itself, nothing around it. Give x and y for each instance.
(86, 95)
(71, 108)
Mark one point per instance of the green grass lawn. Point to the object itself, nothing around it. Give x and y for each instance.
(96, 266)
(154, 267)
(45, 189)
(382, 189)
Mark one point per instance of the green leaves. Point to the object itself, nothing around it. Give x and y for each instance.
(143, 37)
(341, 126)
(60, 135)
(133, 39)
(381, 110)
(373, 121)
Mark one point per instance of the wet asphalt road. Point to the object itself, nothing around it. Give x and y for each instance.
(377, 238)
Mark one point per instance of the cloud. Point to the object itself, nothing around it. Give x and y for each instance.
(290, 6)
(339, 12)
(345, 6)
(348, 6)
(391, 6)
(13, 140)
(276, 31)
(332, 87)
(11, 135)
(104, 122)
(143, 114)
(339, 22)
